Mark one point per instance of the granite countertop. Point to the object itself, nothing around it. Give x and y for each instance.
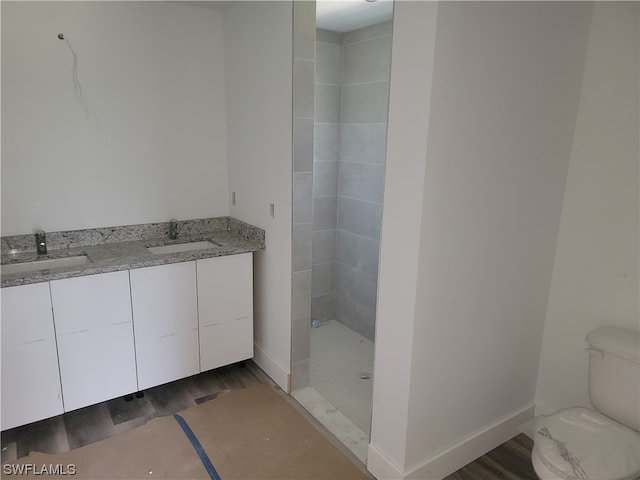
(123, 248)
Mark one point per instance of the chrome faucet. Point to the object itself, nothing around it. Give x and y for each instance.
(41, 242)
(173, 229)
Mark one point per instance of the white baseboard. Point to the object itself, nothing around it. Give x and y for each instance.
(273, 368)
(457, 456)
(380, 466)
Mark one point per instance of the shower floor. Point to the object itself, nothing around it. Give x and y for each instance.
(337, 396)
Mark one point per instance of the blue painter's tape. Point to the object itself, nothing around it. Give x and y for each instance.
(211, 470)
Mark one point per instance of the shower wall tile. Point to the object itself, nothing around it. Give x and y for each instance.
(303, 74)
(365, 103)
(303, 144)
(304, 29)
(301, 295)
(356, 316)
(324, 213)
(328, 63)
(367, 61)
(300, 374)
(328, 36)
(361, 181)
(327, 103)
(325, 179)
(323, 279)
(362, 218)
(358, 252)
(365, 143)
(324, 246)
(302, 243)
(323, 308)
(327, 142)
(356, 285)
(302, 189)
(300, 339)
(367, 33)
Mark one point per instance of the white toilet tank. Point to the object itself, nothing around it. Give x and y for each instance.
(614, 374)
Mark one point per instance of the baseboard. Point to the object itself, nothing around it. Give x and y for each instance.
(380, 466)
(273, 368)
(543, 410)
(477, 444)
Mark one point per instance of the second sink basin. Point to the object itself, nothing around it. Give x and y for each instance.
(49, 263)
(183, 247)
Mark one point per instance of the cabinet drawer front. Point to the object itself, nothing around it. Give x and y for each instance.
(164, 300)
(225, 289)
(95, 301)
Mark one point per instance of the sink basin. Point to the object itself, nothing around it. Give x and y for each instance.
(44, 264)
(183, 247)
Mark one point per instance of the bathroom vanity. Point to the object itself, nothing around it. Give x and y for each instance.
(141, 310)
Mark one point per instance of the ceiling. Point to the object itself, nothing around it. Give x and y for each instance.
(337, 15)
(348, 15)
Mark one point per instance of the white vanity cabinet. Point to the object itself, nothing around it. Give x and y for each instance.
(165, 322)
(30, 377)
(225, 309)
(95, 338)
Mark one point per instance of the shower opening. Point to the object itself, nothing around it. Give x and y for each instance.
(351, 87)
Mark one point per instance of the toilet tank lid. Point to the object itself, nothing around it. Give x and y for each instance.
(620, 342)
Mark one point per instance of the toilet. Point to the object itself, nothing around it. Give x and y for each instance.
(602, 443)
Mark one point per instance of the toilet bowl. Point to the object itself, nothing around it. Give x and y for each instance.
(601, 443)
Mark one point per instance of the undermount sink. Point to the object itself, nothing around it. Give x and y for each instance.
(49, 263)
(183, 247)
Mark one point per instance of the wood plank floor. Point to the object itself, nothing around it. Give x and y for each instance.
(510, 461)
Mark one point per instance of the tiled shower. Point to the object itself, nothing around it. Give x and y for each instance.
(351, 99)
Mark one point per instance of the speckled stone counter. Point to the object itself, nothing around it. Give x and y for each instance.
(122, 248)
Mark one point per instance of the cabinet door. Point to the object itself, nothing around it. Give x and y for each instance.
(225, 309)
(30, 377)
(95, 338)
(165, 322)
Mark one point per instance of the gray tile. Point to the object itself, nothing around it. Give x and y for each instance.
(324, 246)
(328, 36)
(323, 279)
(303, 88)
(328, 63)
(326, 142)
(301, 255)
(325, 179)
(358, 251)
(300, 339)
(324, 213)
(356, 285)
(365, 103)
(367, 61)
(301, 294)
(366, 33)
(327, 103)
(303, 144)
(361, 181)
(361, 218)
(302, 190)
(363, 143)
(356, 316)
(300, 374)
(304, 29)
(323, 308)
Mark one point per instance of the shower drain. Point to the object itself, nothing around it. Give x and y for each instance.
(364, 375)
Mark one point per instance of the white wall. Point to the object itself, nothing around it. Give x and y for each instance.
(153, 73)
(595, 274)
(504, 96)
(258, 65)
